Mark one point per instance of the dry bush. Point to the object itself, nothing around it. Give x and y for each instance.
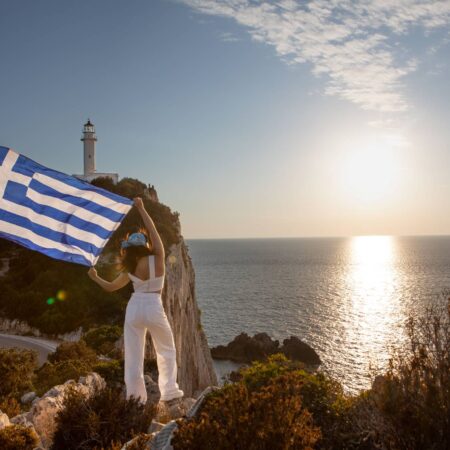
(236, 418)
(73, 351)
(140, 442)
(414, 395)
(10, 406)
(70, 361)
(50, 375)
(16, 371)
(99, 421)
(18, 437)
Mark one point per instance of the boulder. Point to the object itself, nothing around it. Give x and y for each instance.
(28, 397)
(298, 350)
(43, 412)
(167, 412)
(22, 419)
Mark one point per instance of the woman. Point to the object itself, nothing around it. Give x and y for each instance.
(145, 268)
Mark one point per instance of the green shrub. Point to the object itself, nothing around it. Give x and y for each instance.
(35, 278)
(102, 339)
(18, 437)
(16, 371)
(322, 396)
(50, 374)
(270, 417)
(73, 351)
(104, 418)
(111, 371)
(259, 373)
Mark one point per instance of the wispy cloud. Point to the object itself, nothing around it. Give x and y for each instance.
(351, 44)
(228, 37)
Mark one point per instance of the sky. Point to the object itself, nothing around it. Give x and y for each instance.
(251, 118)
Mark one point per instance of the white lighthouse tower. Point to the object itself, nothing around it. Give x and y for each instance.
(89, 139)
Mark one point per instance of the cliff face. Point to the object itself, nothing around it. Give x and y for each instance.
(195, 366)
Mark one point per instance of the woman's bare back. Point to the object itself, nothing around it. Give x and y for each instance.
(142, 269)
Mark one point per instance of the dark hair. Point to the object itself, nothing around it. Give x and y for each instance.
(130, 256)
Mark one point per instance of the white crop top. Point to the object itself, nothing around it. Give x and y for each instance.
(153, 284)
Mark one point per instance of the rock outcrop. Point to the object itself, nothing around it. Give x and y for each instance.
(19, 327)
(298, 350)
(245, 349)
(44, 410)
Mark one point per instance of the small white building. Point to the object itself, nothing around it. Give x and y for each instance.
(89, 139)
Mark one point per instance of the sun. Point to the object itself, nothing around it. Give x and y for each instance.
(371, 172)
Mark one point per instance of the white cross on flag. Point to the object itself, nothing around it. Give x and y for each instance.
(54, 213)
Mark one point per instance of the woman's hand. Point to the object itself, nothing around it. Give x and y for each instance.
(138, 203)
(92, 273)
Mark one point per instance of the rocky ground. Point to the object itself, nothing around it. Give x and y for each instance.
(43, 410)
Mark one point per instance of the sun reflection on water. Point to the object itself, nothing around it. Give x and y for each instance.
(372, 285)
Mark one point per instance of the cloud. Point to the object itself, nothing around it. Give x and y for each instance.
(350, 44)
(228, 37)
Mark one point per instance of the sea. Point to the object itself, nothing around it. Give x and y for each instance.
(349, 298)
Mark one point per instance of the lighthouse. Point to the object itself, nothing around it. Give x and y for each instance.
(89, 139)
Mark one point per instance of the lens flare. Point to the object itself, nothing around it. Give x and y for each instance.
(61, 295)
(50, 301)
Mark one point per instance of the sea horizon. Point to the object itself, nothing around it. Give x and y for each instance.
(187, 239)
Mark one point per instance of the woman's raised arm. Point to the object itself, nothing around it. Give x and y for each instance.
(110, 286)
(158, 247)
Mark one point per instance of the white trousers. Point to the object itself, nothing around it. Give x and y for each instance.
(144, 312)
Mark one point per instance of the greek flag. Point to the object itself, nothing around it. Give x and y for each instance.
(53, 213)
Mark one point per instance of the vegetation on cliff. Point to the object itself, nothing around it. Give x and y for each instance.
(408, 408)
(58, 297)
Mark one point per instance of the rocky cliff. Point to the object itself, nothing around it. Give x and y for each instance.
(195, 366)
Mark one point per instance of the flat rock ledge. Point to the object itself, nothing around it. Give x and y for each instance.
(245, 349)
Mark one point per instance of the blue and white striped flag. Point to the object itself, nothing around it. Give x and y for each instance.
(53, 213)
